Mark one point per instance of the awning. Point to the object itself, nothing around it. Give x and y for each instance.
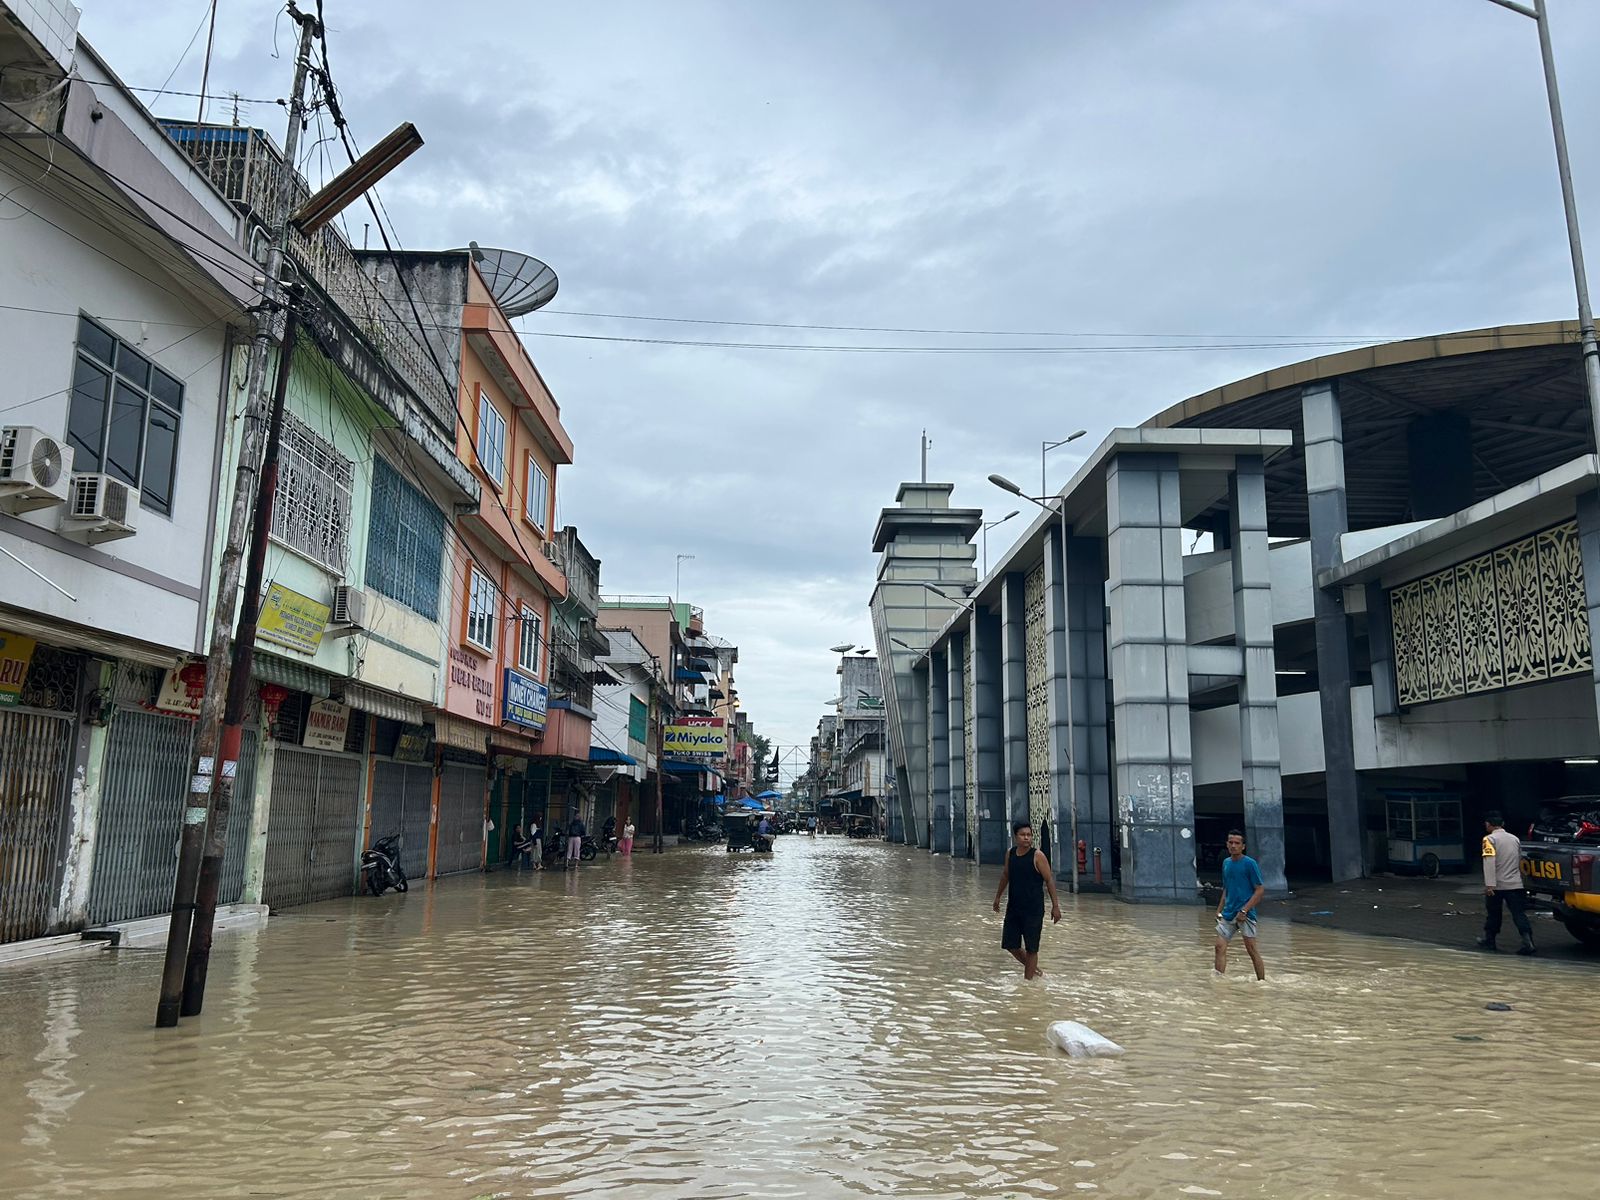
(461, 735)
(605, 754)
(297, 676)
(683, 768)
(684, 676)
(508, 742)
(383, 704)
(700, 664)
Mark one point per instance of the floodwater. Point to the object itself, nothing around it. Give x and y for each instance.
(835, 1021)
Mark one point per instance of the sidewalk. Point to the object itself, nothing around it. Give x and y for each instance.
(1447, 911)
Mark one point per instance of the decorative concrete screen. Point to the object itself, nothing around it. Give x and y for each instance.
(1037, 677)
(1512, 616)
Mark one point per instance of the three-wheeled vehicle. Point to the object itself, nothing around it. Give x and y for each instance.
(858, 825)
(741, 828)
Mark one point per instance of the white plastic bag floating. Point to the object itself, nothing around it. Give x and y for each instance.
(1079, 1041)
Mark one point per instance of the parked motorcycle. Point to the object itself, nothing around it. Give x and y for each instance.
(380, 866)
(555, 849)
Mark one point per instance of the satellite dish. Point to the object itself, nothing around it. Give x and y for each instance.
(519, 282)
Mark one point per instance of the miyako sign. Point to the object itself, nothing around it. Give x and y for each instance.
(704, 736)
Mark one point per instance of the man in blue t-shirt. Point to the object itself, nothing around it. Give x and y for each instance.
(1242, 890)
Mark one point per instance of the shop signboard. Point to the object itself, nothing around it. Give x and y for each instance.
(292, 620)
(16, 652)
(701, 737)
(526, 700)
(327, 724)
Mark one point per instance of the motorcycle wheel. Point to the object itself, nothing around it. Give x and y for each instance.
(587, 854)
(374, 885)
(401, 884)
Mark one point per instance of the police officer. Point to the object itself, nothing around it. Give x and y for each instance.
(1502, 883)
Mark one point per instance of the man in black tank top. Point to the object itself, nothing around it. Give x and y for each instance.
(1027, 873)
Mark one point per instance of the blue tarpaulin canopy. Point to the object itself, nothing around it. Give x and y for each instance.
(748, 803)
(605, 754)
(719, 801)
(769, 795)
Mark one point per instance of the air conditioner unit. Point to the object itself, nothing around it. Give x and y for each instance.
(349, 610)
(35, 469)
(99, 509)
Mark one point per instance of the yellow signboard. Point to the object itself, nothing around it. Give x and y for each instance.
(700, 736)
(292, 620)
(16, 652)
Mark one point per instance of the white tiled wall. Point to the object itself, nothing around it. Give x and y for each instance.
(54, 23)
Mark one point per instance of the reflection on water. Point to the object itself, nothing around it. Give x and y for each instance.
(836, 1021)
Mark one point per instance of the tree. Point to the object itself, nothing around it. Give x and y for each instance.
(760, 747)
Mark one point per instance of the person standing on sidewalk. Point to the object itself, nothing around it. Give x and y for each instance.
(1502, 883)
(535, 844)
(1242, 890)
(627, 837)
(1027, 873)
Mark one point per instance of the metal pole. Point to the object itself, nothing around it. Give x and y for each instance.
(1072, 725)
(191, 846)
(205, 72)
(238, 695)
(1044, 483)
(1591, 348)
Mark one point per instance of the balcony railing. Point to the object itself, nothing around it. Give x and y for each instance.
(246, 167)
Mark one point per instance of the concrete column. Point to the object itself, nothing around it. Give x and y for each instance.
(1014, 695)
(1075, 618)
(255, 852)
(1329, 513)
(1150, 677)
(1380, 643)
(1589, 546)
(1258, 686)
(97, 677)
(993, 834)
(939, 749)
(956, 740)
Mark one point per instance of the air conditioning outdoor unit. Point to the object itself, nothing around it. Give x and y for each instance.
(35, 469)
(349, 611)
(100, 509)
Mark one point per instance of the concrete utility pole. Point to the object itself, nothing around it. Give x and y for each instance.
(203, 772)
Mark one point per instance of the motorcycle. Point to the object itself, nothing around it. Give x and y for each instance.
(555, 848)
(380, 866)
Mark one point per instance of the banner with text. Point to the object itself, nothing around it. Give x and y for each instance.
(703, 737)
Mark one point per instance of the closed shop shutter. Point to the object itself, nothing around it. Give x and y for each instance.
(460, 818)
(314, 825)
(402, 803)
(35, 758)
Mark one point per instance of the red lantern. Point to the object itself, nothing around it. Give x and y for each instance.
(272, 697)
(193, 678)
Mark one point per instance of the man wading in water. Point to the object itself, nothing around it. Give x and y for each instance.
(1027, 872)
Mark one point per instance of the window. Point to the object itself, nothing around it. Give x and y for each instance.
(480, 611)
(124, 416)
(537, 499)
(528, 647)
(311, 511)
(405, 543)
(491, 439)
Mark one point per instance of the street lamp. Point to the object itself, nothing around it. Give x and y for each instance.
(1580, 280)
(1046, 447)
(988, 525)
(1001, 482)
(677, 576)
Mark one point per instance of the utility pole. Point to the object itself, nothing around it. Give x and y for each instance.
(203, 772)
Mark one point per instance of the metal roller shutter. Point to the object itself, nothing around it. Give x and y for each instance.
(35, 758)
(314, 826)
(460, 818)
(402, 803)
(145, 789)
(338, 827)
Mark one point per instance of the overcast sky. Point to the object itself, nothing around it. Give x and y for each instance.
(1251, 171)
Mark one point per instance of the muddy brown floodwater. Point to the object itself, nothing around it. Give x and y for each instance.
(835, 1021)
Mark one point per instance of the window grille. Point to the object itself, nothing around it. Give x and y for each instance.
(405, 544)
(311, 511)
(480, 611)
(124, 416)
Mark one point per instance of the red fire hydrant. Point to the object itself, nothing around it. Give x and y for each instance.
(1083, 857)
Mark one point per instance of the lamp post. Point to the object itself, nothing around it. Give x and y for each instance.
(677, 577)
(1591, 347)
(1000, 481)
(988, 525)
(1045, 448)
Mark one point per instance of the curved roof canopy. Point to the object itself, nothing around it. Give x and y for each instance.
(1518, 388)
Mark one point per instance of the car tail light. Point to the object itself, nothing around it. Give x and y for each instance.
(1587, 828)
